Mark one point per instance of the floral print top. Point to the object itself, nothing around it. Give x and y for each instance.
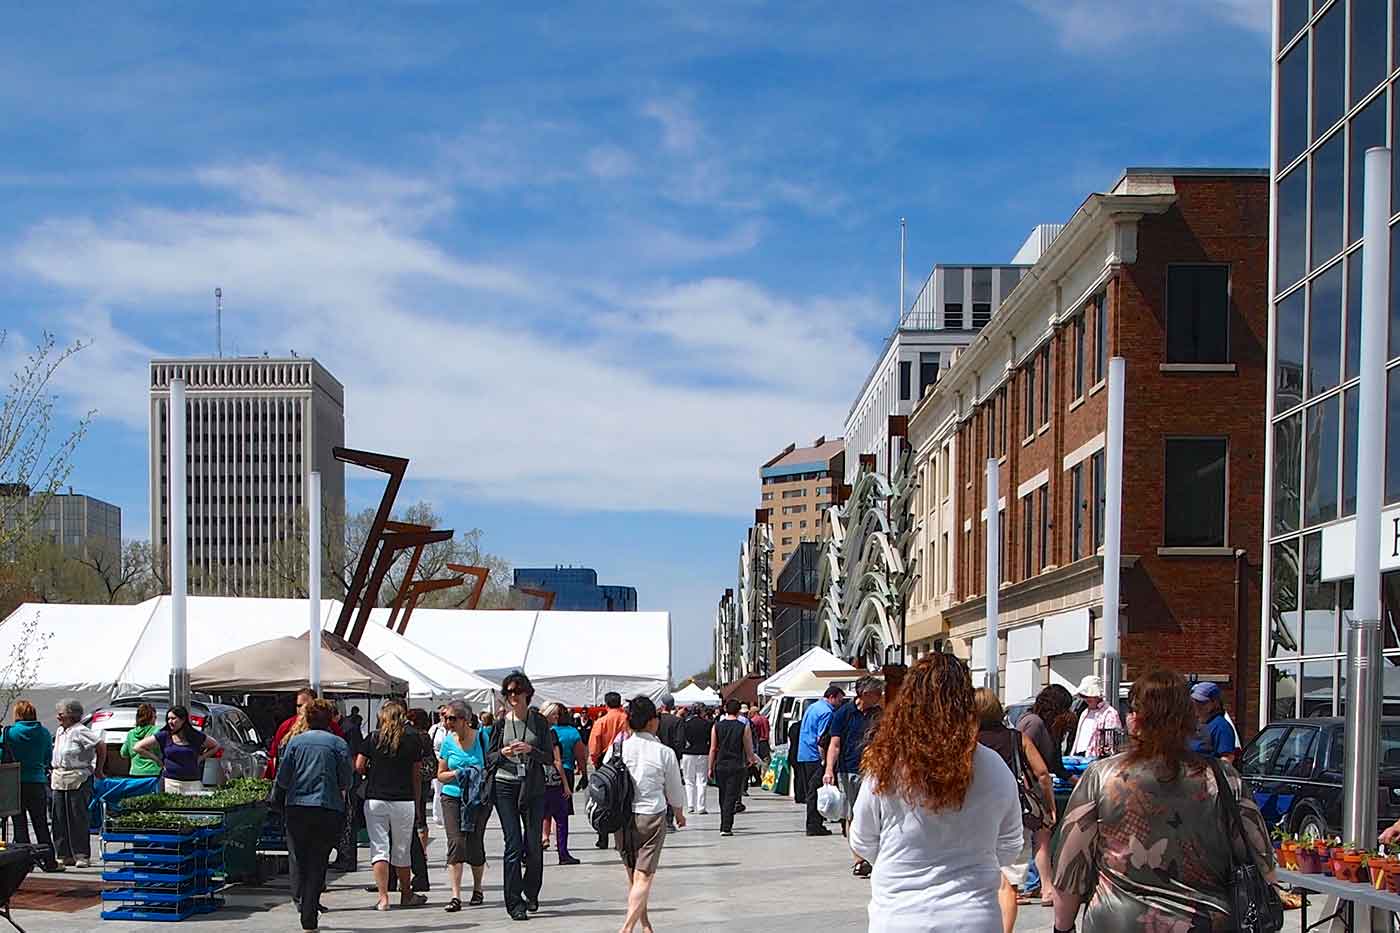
(1152, 854)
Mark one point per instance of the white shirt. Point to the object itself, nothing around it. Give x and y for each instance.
(436, 734)
(75, 749)
(940, 871)
(656, 775)
(1090, 722)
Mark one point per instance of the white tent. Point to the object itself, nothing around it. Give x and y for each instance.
(693, 693)
(814, 659)
(97, 652)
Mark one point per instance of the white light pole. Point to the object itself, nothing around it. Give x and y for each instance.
(177, 545)
(993, 576)
(1113, 530)
(1364, 629)
(313, 577)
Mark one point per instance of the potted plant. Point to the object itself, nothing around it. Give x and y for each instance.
(1288, 853)
(1382, 867)
(1350, 865)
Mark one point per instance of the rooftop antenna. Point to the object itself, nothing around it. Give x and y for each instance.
(219, 320)
(901, 272)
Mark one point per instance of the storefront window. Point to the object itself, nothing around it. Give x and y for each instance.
(1317, 688)
(1283, 601)
(1283, 691)
(1319, 602)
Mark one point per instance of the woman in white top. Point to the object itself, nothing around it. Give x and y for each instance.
(656, 785)
(938, 814)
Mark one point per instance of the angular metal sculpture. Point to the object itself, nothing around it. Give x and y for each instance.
(727, 641)
(394, 467)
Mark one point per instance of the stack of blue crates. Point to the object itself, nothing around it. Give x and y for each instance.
(162, 874)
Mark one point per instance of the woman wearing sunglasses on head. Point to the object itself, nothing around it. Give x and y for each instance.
(522, 745)
(462, 745)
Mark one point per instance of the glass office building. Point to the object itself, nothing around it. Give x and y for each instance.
(576, 589)
(1335, 77)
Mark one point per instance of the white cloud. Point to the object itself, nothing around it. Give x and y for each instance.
(608, 162)
(680, 130)
(666, 398)
(1099, 23)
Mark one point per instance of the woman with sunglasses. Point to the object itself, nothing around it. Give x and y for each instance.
(462, 745)
(522, 746)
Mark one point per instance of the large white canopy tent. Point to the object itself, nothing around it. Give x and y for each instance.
(814, 659)
(95, 652)
(693, 693)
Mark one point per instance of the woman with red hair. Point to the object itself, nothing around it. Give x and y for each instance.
(938, 814)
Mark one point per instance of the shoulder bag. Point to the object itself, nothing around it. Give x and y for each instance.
(1032, 807)
(1255, 903)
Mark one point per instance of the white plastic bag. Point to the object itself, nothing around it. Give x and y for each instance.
(831, 803)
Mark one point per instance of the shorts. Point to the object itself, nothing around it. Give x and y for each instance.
(640, 842)
(1016, 872)
(850, 789)
(390, 827)
(463, 848)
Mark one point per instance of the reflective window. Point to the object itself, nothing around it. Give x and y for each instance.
(1292, 226)
(1293, 103)
(1195, 492)
(1198, 314)
(1077, 507)
(1329, 67)
(905, 379)
(1349, 411)
(1283, 691)
(1320, 603)
(1392, 437)
(1325, 331)
(1288, 458)
(982, 285)
(1352, 355)
(1295, 754)
(1259, 753)
(1288, 342)
(1292, 16)
(1367, 130)
(1367, 46)
(1394, 324)
(1079, 338)
(928, 371)
(1328, 164)
(1320, 486)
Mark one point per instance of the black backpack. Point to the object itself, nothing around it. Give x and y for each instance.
(610, 794)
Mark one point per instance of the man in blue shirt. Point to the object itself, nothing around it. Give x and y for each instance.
(1215, 736)
(809, 752)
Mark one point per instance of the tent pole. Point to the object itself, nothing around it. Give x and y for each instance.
(313, 578)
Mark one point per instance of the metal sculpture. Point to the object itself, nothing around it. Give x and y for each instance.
(727, 643)
(481, 574)
(394, 467)
(867, 570)
(390, 544)
(415, 591)
(756, 648)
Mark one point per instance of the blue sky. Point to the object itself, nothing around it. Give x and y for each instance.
(587, 266)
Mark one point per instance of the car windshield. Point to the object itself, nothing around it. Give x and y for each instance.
(1261, 751)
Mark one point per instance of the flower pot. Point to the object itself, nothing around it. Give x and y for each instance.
(1392, 877)
(1382, 868)
(1288, 856)
(1349, 867)
(1308, 861)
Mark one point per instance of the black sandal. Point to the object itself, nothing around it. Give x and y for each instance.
(477, 899)
(453, 906)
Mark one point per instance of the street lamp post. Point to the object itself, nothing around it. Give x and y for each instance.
(993, 576)
(177, 546)
(1113, 530)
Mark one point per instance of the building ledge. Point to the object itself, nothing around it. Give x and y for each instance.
(1082, 572)
(1223, 368)
(1195, 552)
(1076, 403)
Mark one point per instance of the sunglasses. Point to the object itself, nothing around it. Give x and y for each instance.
(451, 718)
(513, 692)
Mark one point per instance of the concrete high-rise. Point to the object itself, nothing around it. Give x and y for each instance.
(796, 488)
(83, 527)
(257, 429)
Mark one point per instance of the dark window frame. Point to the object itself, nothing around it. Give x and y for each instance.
(1080, 327)
(1046, 387)
(1100, 337)
(1027, 535)
(1077, 509)
(906, 378)
(1044, 522)
(1167, 316)
(1167, 443)
(1028, 384)
(1097, 475)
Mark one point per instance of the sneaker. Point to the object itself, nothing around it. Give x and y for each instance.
(726, 832)
(519, 913)
(703, 810)
(568, 860)
(823, 831)
(689, 809)
(80, 863)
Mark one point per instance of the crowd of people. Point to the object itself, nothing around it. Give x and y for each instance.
(948, 809)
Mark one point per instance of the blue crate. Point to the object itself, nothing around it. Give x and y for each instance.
(157, 875)
(149, 857)
(159, 914)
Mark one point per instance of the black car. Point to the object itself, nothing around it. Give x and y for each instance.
(1294, 767)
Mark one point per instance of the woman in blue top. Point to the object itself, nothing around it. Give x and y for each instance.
(558, 794)
(462, 746)
(26, 741)
(180, 749)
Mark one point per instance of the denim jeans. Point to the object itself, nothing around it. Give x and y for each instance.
(522, 825)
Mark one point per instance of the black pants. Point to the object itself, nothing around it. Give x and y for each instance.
(811, 781)
(418, 859)
(731, 790)
(70, 822)
(311, 834)
(799, 782)
(34, 802)
(522, 825)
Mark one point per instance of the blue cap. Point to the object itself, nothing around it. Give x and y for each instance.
(1205, 691)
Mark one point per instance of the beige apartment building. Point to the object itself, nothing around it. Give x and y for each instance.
(796, 488)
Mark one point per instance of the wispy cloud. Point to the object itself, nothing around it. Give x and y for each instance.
(680, 130)
(1097, 23)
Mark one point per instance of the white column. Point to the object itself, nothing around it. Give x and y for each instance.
(993, 576)
(178, 546)
(313, 576)
(1363, 632)
(1113, 529)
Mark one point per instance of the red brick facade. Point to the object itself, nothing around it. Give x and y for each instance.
(1195, 614)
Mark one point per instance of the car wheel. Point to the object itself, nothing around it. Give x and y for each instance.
(1309, 823)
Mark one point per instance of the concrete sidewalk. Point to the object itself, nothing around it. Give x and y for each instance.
(768, 877)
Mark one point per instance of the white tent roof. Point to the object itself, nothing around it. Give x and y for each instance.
(96, 652)
(815, 659)
(693, 693)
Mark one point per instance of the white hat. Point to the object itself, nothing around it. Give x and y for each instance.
(1091, 686)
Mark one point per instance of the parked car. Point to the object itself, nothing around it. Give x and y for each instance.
(242, 752)
(1294, 767)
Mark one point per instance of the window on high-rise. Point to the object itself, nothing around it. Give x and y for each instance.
(981, 298)
(928, 371)
(1195, 492)
(1198, 314)
(905, 368)
(953, 299)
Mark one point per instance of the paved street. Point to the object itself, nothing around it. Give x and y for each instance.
(768, 877)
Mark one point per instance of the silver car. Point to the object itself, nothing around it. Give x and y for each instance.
(241, 752)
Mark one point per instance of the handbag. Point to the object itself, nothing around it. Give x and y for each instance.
(1255, 904)
(1032, 807)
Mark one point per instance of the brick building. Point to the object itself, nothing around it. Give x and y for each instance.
(1169, 271)
(795, 487)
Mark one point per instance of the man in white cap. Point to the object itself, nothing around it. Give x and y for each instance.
(1092, 737)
